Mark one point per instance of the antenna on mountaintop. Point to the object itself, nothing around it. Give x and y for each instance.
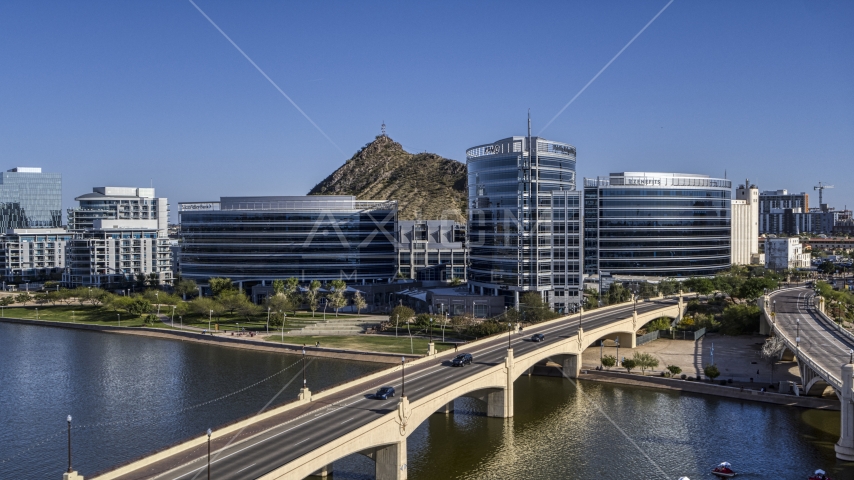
(383, 128)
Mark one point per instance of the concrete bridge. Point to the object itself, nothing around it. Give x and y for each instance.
(824, 351)
(307, 436)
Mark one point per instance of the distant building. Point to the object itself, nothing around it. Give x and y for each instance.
(255, 240)
(745, 225)
(524, 221)
(432, 250)
(33, 254)
(118, 203)
(30, 198)
(785, 254)
(784, 213)
(657, 225)
(120, 237)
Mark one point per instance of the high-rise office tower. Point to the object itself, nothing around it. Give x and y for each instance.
(30, 198)
(524, 215)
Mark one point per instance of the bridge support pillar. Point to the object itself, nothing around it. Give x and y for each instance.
(72, 476)
(845, 446)
(819, 304)
(500, 404)
(391, 461)
(324, 472)
(446, 408)
(571, 366)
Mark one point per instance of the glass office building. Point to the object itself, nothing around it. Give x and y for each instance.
(30, 199)
(657, 224)
(524, 220)
(254, 240)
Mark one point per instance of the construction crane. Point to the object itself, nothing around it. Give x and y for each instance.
(820, 188)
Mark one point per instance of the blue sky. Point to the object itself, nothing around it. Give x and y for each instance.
(128, 93)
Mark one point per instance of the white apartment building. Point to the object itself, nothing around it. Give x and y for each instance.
(785, 254)
(745, 225)
(120, 235)
(28, 254)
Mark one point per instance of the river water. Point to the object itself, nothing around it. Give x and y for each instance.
(130, 395)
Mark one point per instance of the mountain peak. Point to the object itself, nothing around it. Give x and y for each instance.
(426, 185)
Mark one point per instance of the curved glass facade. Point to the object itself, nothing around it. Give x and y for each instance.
(268, 238)
(30, 199)
(657, 224)
(524, 219)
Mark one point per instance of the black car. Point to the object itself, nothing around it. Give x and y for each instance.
(461, 360)
(384, 393)
(538, 337)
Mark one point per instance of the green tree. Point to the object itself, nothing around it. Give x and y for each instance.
(609, 361)
(591, 299)
(753, 288)
(337, 297)
(645, 360)
(186, 287)
(647, 290)
(534, 310)
(456, 281)
(220, 285)
(401, 314)
(662, 323)
(205, 307)
(279, 303)
(312, 296)
(827, 268)
(232, 300)
(7, 300)
(669, 287)
(673, 370)
(138, 306)
(292, 291)
(712, 371)
(740, 319)
(40, 298)
(729, 285)
(359, 302)
(278, 287)
(23, 298)
(617, 293)
(629, 364)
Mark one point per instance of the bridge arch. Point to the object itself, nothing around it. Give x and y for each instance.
(816, 387)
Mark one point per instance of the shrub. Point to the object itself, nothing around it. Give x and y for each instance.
(609, 361)
(629, 364)
(683, 376)
(712, 371)
(674, 370)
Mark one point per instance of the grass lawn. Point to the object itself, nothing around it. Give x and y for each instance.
(370, 343)
(74, 313)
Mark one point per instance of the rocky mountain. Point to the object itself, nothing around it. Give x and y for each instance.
(426, 186)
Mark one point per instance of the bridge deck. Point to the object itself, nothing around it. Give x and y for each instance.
(273, 442)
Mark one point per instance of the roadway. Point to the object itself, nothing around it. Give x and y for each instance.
(281, 439)
(820, 339)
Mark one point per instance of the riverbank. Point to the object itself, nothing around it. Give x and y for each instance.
(248, 343)
(705, 388)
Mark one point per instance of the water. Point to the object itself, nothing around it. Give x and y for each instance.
(608, 431)
(129, 395)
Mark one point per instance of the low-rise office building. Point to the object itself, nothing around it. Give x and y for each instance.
(432, 250)
(33, 254)
(785, 254)
(657, 225)
(255, 240)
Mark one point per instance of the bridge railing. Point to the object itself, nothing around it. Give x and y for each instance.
(831, 379)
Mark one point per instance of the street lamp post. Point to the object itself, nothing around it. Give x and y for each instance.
(173, 315)
(402, 377)
(157, 297)
(37, 313)
(797, 327)
(431, 330)
(617, 341)
(210, 315)
(601, 350)
(119, 315)
(209, 453)
(283, 326)
(69, 444)
(397, 325)
(303, 368)
(268, 320)
(181, 318)
(509, 334)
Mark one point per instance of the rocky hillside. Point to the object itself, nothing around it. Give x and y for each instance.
(425, 185)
